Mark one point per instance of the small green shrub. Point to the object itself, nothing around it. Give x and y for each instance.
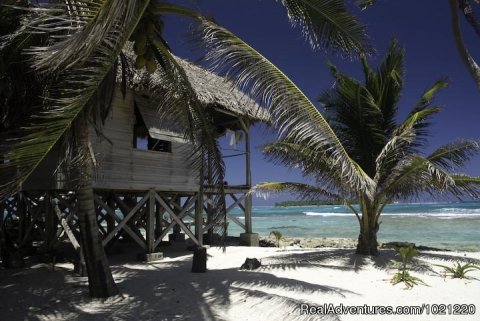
(278, 236)
(458, 270)
(403, 275)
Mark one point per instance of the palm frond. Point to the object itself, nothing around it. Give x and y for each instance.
(393, 152)
(76, 29)
(327, 24)
(295, 117)
(454, 155)
(73, 90)
(415, 175)
(465, 185)
(356, 118)
(304, 191)
(389, 77)
(428, 96)
(312, 163)
(418, 121)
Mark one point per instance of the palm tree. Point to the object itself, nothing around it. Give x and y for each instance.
(76, 47)
(363, 116)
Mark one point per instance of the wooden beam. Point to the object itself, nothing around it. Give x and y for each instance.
(236, 220)
(150, 230)
(182, 213)
(199, 216)
(234, 204)
(126, 228)
(239, 204)
(126, 218)
(248, 180)
(65, 226)
(34, 213)
(174, 217)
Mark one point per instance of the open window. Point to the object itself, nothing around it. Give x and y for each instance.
(144, 138)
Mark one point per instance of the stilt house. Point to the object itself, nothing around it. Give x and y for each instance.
(144, 182)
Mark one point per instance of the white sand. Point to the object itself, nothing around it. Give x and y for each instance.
(166, 290)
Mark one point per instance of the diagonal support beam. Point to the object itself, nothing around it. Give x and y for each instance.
(177, 220)
(236, 220)
(113, 215)
(182, 213)
(65, 226)
(236, 200)
(125, 219)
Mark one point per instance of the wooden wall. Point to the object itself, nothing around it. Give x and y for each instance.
(120, 166)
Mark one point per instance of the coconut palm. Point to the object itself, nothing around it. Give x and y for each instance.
(74, 50)
(364, 118)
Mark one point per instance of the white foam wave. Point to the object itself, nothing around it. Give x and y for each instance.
(326, 214)
(419, 214)
(459, 210)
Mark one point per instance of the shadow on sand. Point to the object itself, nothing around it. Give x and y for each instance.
(167, 290)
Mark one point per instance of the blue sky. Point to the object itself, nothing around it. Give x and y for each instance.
(422, 27)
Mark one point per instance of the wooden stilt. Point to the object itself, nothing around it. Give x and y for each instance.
(248, 183)
(158, 220)
(50, 223)
(199, 211)
(110, 219)
(150, 230)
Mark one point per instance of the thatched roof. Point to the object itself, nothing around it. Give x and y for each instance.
(212, 90)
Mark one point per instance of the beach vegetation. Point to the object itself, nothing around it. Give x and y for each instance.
(385, 159)
(459, 270)
(407, 253)
(60, 61)
(278, 236)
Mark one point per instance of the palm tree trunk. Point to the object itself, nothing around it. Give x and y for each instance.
(367, 239)
(100, 279)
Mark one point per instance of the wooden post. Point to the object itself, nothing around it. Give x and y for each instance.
(248, 181)
(50, 223)
(150, 231)
(209, 204)
(199, 209)
(199, 263)
(158, 220)
(110, 220)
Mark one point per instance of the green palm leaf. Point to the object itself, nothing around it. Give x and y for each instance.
(465, 185)
(73, 90)
(393, 151)
(295, 117)
(454, 155)
(78, 27)
(327, 24)
(311, 162)
(415, 175)
(304, 191)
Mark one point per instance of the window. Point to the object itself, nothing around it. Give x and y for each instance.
(143, 140)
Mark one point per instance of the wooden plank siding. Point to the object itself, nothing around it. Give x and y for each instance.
(120, 166)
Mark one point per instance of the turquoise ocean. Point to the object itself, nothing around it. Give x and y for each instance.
(454, 226)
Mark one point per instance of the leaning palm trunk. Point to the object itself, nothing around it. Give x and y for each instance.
(100, 279)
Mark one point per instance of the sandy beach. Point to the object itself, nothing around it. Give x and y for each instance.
(290, 281)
